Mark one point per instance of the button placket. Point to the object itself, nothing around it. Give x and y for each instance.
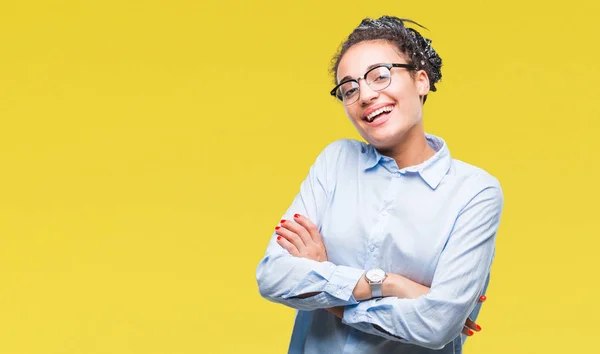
(376, 239)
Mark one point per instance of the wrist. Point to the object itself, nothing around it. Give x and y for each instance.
(362, 291)
(390, 285)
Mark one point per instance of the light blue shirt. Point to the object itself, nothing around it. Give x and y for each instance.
(434, 223)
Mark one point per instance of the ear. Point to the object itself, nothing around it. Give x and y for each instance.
(422, 83)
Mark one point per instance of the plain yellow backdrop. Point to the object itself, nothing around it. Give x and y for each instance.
(148, 149)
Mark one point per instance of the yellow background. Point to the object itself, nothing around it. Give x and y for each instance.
(148, 149)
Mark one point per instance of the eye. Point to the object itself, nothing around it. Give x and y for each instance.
(381, 77)
(378, 75)
(351, 92)
(348, 90)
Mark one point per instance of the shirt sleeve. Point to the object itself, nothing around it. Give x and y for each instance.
(435, 319)
(282, 277)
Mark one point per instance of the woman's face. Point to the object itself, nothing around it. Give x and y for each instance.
(403, 95)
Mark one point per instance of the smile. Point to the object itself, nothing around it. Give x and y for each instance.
(371, 116)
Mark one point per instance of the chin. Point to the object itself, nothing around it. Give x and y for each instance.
(389, 136)
(380, 142)
(385, 139)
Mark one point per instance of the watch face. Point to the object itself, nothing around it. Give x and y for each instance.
(375, 275)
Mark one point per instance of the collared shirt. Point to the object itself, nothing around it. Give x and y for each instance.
(434, 223)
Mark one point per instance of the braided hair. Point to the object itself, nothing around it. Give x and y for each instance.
(416, 48)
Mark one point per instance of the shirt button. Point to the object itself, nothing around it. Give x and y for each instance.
(339, 292)
(397, 174)
(384, 213)
(372, 248)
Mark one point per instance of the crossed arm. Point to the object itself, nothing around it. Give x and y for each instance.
(410, 313)
(301, 238)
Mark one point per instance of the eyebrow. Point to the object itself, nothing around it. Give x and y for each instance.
(348, 77)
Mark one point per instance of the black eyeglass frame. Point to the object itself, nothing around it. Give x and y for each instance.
(364, 77)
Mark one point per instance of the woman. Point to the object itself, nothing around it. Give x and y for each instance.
(388, 246)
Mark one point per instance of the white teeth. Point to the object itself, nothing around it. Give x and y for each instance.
(372, 116)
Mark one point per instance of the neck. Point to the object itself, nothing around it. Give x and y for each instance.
(413, 149)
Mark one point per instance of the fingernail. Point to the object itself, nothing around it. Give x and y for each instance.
(471, 332)
(296, 215)
(483, 298)
(277, 227)
(282, 221)
(278, 238)
(478, 327)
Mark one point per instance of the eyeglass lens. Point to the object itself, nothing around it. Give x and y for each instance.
(378, 79)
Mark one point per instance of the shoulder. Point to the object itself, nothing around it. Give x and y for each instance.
(345, 146)
(341, 149)
(339, 158)
(477, 180)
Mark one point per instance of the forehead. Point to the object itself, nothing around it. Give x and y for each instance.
(357, 58)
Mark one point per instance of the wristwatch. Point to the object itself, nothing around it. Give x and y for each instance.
(375, 278)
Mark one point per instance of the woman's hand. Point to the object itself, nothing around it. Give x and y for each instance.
(471, 326)
(301, 238)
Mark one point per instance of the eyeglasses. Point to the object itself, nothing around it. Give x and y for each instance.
(378, 78)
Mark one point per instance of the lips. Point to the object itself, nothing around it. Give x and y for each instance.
(377, 112)
(379, 120)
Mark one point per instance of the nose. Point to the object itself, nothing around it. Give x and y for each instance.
(366, 93)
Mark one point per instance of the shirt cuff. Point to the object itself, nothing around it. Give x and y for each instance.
(342, 282)
(354, 314)
(321, 300)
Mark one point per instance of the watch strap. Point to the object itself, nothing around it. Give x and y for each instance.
(376, 290)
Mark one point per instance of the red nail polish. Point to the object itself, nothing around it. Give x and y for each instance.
(478, 327)
(483, 298)
(278, 238)
(282, 221)
(277, 227)
(296, 215)
(471, 332)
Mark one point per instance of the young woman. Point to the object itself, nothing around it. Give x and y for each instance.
(388, 246)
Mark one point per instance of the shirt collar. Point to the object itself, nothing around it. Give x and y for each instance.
(432, 170)
(371, 156)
